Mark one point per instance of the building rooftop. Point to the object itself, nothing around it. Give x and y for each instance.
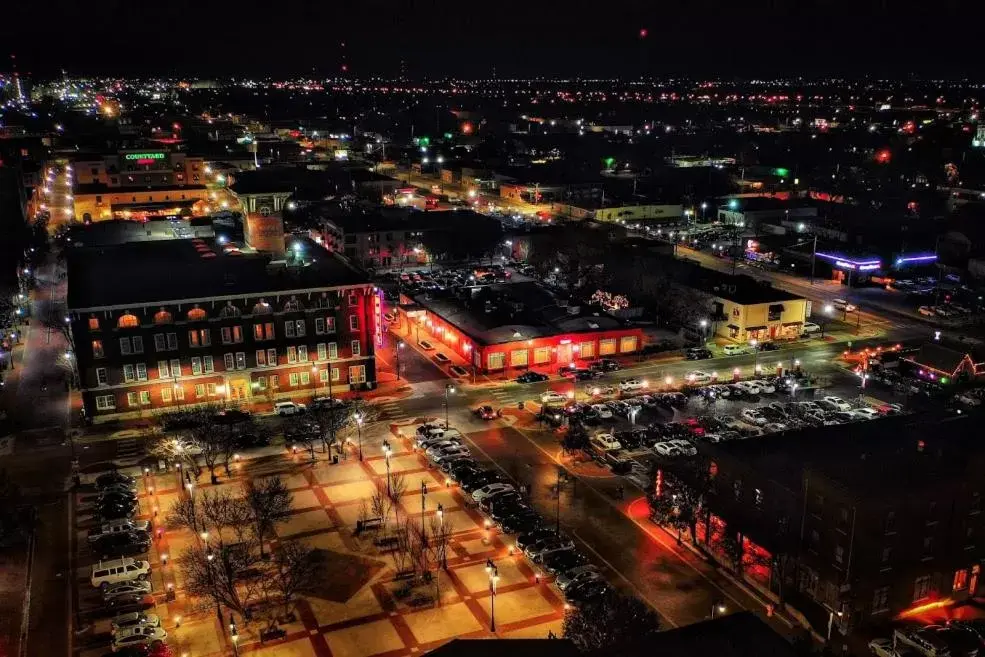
(496, 314)
(741, 289)
(102, 188)
(285, 180)
(174, 270)
(387, 219)
(888, 457)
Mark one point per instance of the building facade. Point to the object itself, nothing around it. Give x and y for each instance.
(134, 183)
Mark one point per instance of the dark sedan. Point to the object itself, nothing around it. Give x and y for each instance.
(531, 377)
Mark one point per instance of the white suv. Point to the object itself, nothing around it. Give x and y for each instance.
(288, 408)
(633, 385)
(106, 573)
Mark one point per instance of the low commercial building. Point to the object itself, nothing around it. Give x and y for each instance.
(138, 183)
(518, 326)
(743, 309)
(160, 325)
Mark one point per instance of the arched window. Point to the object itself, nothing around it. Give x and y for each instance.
(196, 314)
(229, 310)
(127, 320)
(322, 301)
(261, 308)
(292, 304)
(162, 316)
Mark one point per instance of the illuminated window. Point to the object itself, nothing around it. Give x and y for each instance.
(356, 348)
(196, 314)
(299, 328)
(960, 580)
(586, 350)
(333, 350)
(258, 331)
(292, 354)
(335, 374)
(323, 375)
(261, 308)
(261, 357)
(196, 365)
(921, 587)
(627, 344)
(293, 379)
(93, 324)
(542, 355)
(199, 390)
(128, 320)
(518, 357)
(353, 322)
(302, 353)
(322, 351)
(496, 361)
(166, 395)
(607, 347)
(357, 374)
(229, 361)
(240, 360)
(305, 378)
(207, 363)
(179, 393)
(271, 357)
(97, 349)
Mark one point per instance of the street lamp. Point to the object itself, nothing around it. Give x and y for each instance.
(493, 574)
(704, 325)
(359, 431)
(449, 390)
(400, 346)
(442, 539)
(717, 608)
(386, 456)
(424, 493)
(754, 343)
(234, 635)
(831, 621)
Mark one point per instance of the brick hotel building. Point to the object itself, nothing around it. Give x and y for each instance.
(177, 323)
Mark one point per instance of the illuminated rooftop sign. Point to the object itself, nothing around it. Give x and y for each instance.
(144, 156)
(844, 262)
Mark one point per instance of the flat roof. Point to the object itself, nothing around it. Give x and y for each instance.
(741, 289)
(168, 271)
(284, 180)
(385, 219)
(102, 188)
(502, 313)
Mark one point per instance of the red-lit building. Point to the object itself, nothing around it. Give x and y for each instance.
(518, 326)
(177, 323)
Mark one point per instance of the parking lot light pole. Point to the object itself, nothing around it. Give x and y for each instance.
(234, 635)
(424, 493)
(449, 389)
(717, 609)
(359, 432)
(831, 621)
(493, 574)
(400, 346)
(443, 540)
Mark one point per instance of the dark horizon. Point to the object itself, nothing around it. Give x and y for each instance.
(433, 38)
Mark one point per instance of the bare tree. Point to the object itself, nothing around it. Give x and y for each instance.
(398, 486)
(381, 505)
(291, 571)
(441, 531)
(227, 576)
(300, 432)
(175, 450)
(331, 420)
(185, 514)
(267, 502)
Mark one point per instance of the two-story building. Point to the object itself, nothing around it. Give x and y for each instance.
(165, 324)
(744, 309)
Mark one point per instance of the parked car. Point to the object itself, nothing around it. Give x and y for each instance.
(753, 416)
(487, 412)
(121, 544)
(697, 353)
(604, 365)
(133, 619)
(115, 478)
(577, 575)
(121, 526)
(491, 489)
(450, 453)
(632, 385)
(549, 545)
(531, 377)
(140, 634)
(697, 378)
(810, 328)
(525, 540)
(140, 586)
(836, 403)
(734, 349)
(286, 408)
(551, 397)
(562, 561)
(106, 573)
(126, 603)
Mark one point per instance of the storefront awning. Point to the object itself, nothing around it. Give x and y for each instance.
(733, 327)
(755, 328)
(791, 324)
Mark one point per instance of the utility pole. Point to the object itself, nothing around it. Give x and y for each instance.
(813, 258)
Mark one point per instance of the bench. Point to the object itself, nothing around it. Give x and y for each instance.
(387, 542)
(368, 523)
(419, 600)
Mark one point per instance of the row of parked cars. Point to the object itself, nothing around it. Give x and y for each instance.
(508, 509)
(954, 639)
(121, 577)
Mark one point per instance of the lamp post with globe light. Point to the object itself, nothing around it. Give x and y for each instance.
(493, 574)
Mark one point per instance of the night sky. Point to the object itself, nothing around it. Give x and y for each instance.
(470, 38)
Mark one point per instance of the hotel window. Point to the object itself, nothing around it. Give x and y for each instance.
(292, 354)
(271, 356)
(518, 357)
(353, 322)
(357, 374)
(199, 338)
(144, 397)
(208, 364)
(323, 375)
(166, 395)
(335, 374)
(159, 343)
(179, 393)
(607, 347)
(880, 600)
(128, 373)
(240, 360)
(237, 334)
(128, 320)
(229, 361)
(196, 365)
(199, 390)
(261, 357)
(132, 399)
(586, 350)
(162, 369)
(141, 371)
(305, 378)
(322, 351)
(627, 344)
(302, 353)
(356, 348)
(261, 382)
(542, 355)
(274, 381)
(258, 331)
(289, 328)
(496, 361)
(105, 402)
(138, 344)
(102, 378)
(196, 314)
(93, 324)
(210, 389)
(921, 587)
(125, 346)
(329, 325)
(226, 334)
(172, 341)
(352, 299)
(299, 328)
(293, 379)
(319, 325)
(333, 351)
(960, 582)
(175, 368)
(97, 349)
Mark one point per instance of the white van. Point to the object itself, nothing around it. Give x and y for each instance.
(734, 349)
(115, 571)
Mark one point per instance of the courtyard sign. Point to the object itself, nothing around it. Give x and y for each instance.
(144, 156)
